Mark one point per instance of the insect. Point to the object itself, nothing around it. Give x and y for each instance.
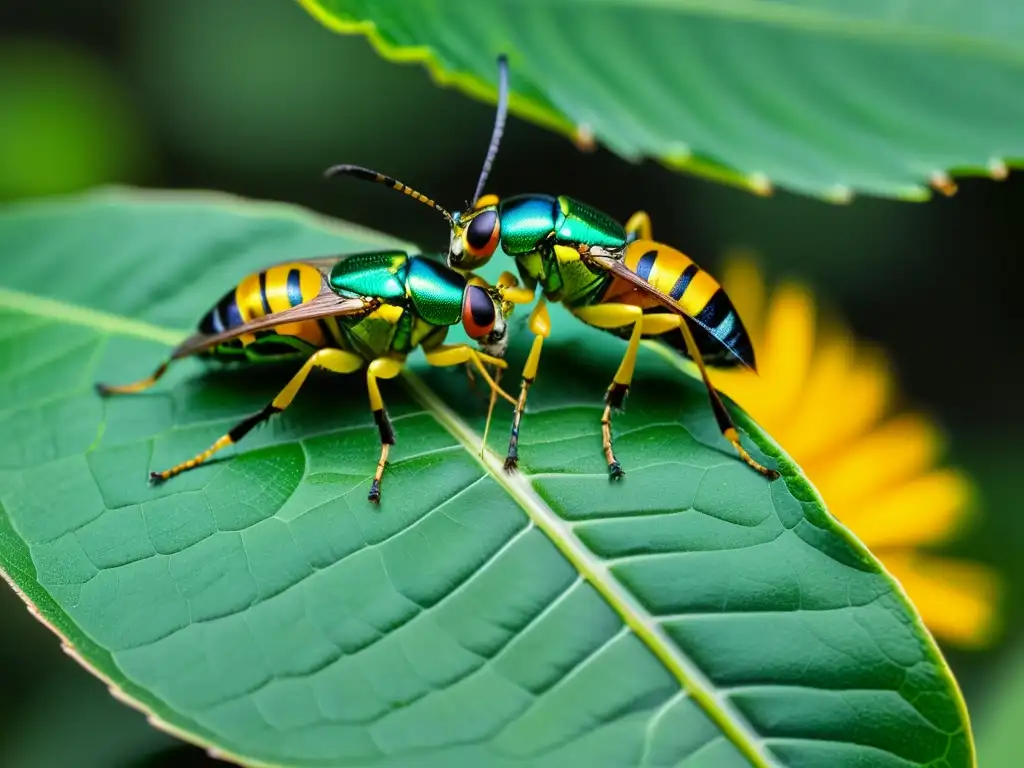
(610, 276)
(343, 314)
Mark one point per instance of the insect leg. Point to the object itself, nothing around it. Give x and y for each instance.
(639, 226)
(721, 415)
(330, 359)
(381, 368)
(616, 316)
(138, 386)
(448, 355)
(540, 326)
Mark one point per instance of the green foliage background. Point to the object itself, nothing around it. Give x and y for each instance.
(183, 95)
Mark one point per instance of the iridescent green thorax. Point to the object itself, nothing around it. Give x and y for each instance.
(530, 222)
(435, 291)
(531, 227)
(381, 275)
(431, 291)
(527, 221)
(579, 223)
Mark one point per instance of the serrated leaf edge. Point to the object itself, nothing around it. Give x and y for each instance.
(756, 183)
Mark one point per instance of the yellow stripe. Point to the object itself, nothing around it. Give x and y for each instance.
(277, 288)
(698, 293)
(667, 270)
(310, 281)
(247, 296)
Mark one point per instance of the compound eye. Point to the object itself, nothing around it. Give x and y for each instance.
(478, 315)
(483, 233)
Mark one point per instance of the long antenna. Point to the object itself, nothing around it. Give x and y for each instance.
(499, 126)
(376, 177)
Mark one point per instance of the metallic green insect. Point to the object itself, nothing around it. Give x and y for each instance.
(344, 314)
(610, 276)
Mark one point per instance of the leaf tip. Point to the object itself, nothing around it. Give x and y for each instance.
(760, 184)
(679, 153)
(997, 169)
(941, 182)
(583, 138)
(839, 193)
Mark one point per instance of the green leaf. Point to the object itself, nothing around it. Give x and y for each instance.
(823, 97)
(1001, 714)
(693, 614)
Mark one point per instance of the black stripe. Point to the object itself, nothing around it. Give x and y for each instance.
(229, 311)
(387, 432)
(263, 293)
(241, 429)
(683, 282)
(715, 310)
(211, 322)
(646, 264)
(294, 287)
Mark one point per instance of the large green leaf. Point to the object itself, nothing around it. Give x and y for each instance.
(1001, 715)
(693, 614)
(824, 97)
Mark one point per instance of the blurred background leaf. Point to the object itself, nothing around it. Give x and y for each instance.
(65, 122)
(932, 283)
(816, 97)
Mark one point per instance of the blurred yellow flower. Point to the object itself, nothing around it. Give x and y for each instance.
(827, 399)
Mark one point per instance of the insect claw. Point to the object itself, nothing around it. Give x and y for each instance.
(615, 471)
(511, 463)
(374, 495)
(156, 478)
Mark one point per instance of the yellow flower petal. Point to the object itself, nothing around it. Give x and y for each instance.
(847, 392)
(789, 334)
(956, 599)
(898, 450)
(927, 510)
(823, 395)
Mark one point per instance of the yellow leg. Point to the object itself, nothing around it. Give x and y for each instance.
(622, 315)
(138, 386)
(721, 415)
(616, 316)
(512, 291)
(490, 412)
(639, 226)
(381, 368)
(331, 359)
(457, 354)
(540, 326)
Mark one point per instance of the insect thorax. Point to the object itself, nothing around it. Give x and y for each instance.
(544, 233)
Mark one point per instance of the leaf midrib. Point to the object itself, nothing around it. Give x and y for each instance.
(691, 679)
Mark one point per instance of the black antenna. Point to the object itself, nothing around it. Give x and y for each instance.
(376, 177)
(499, 126)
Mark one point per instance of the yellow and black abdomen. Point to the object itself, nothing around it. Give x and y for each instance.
(258, 295)
(716, 325)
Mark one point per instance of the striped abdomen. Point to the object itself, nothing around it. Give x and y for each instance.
(716, 325)
(260, 294)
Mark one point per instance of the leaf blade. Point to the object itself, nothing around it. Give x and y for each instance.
(261, 596)
(863, 100)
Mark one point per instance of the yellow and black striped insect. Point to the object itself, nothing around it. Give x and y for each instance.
(343, 314)
(610, 276)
